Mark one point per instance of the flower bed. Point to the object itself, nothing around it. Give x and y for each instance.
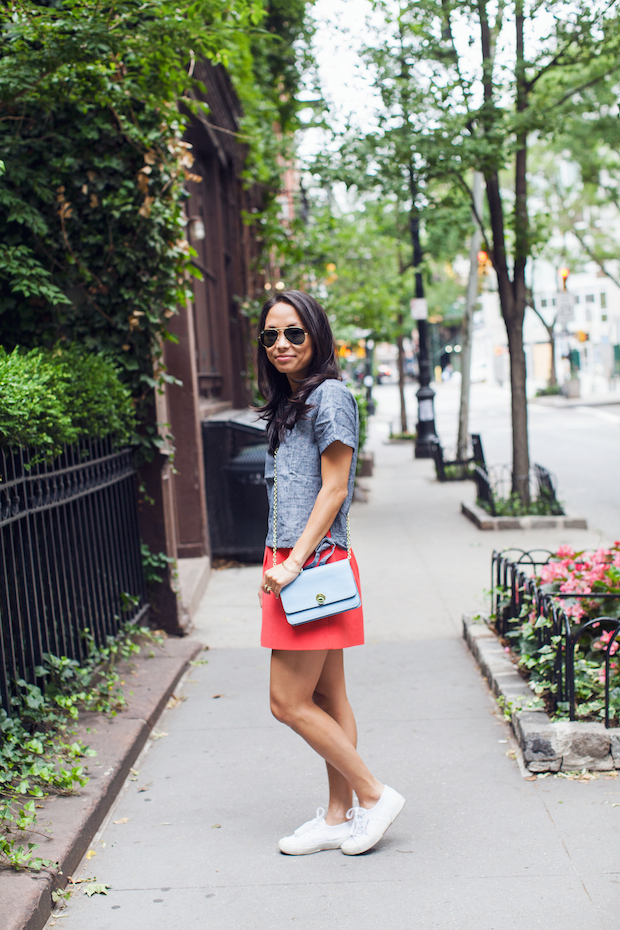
(565, 632)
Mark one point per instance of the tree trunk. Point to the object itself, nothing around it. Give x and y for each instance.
(553, 376)
(467, 333)
(520, 451)
(401, 377)
(512, 294)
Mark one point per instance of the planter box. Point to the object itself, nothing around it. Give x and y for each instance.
(484, 521)
(366, 462)
(547, 747)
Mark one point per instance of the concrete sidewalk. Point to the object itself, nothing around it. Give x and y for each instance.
(477, 846)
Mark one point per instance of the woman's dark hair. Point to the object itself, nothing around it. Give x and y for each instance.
(280, 410)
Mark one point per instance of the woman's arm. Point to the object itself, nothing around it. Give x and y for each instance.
(335, 467)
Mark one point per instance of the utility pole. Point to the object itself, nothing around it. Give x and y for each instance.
(468, 320)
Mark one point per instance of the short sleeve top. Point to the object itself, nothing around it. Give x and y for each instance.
(333, 415)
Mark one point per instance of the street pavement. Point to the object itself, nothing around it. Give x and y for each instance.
(192, 840)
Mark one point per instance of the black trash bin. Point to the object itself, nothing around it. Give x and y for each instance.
(248, 502)
(234, 452)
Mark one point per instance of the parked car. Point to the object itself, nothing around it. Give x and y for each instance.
(384, 373)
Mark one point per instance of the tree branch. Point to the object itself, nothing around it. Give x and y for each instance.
(594, 257)
(577, 90)
(529, 298)
(477, 217)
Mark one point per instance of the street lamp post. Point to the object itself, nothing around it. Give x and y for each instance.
(368, 378)
(426, 433)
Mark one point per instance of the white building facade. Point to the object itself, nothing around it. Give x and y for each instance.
(587, 334)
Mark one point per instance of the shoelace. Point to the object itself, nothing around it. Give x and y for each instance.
(359, 815)
(320, 814)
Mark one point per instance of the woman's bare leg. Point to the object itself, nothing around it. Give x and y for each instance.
(295, 700)
(331, 696)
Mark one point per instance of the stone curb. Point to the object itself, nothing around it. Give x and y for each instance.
(484, 521)
(25, 897)
(547, 747)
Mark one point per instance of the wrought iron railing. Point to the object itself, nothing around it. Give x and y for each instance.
(70, 555)
(494, 482)
(513, 583)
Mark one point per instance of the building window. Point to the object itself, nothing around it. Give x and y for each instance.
(589, 298)
(603, 300)
(577, 299)
(604, 317)
(543, 302)
(553, 301)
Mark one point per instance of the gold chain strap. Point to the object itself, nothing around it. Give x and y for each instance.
(275, 515)
(275, 508)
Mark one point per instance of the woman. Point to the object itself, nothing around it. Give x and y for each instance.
(312, 421)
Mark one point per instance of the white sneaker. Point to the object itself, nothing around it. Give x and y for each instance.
(369, 825)
(315, 835)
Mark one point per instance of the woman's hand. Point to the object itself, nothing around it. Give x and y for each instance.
(275, 579)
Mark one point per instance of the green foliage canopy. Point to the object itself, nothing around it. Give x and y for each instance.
(93, 162)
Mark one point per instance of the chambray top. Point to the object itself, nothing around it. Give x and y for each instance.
(333, 416)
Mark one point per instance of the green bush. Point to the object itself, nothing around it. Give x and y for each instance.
(359, 393)
(513, 506)
(551, 389)
(52, 397)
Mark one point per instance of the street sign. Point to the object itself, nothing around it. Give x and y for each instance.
(425, 410)
(565, 306)
(419, 308)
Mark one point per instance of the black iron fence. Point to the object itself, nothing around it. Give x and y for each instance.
(513, 585)
(494, 482)
(70, 555)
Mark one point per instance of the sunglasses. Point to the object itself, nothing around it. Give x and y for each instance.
(293, 334)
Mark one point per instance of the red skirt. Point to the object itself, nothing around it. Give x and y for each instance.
(337, 632)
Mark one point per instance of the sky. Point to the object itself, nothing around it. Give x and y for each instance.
(341, 31)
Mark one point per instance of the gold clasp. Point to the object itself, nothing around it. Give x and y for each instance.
(320, 599)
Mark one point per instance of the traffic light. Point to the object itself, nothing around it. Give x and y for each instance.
(484, 263)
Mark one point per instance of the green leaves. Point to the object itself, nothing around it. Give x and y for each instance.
(94, 164)
(37, 753)
(96, 888)
(49, 398)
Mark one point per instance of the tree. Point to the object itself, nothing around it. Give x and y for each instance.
(472, 108)
(468, 320)
(353, 262)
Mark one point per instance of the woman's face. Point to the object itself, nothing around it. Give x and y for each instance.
(293, 361)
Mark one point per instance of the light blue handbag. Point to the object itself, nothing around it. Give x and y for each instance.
(319, 590)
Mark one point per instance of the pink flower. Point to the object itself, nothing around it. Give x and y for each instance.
(552, 571)
(598, 572)
(574, 585)
(603, 641)
(576, 611)
(565, 552)
(601, 672)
